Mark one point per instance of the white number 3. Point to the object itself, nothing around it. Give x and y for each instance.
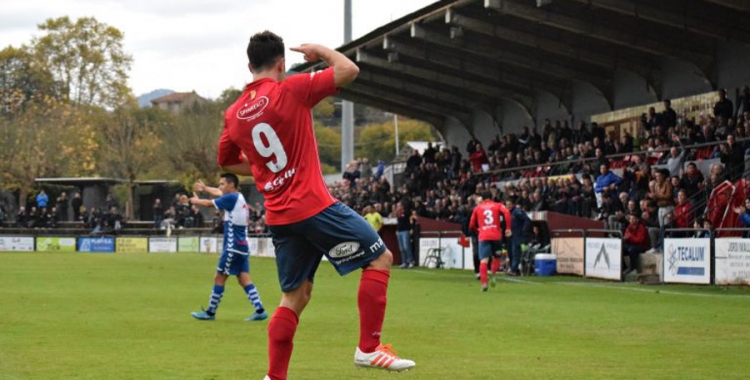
(274, 147)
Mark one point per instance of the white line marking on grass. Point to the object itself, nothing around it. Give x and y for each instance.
(519, 281)
(658, 291)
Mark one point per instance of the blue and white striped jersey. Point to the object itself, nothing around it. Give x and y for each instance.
(235, 221)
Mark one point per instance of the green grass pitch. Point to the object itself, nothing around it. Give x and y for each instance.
(126, 316)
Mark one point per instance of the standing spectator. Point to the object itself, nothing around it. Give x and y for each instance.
(676, 159)
(663, 193)
(429, 154)
(110, 202)
(158, 210)
(373, 217)
(733, 158)
(413, 162)
(365, 170)
(352, 174)
(76, 203)
(669, 116)
(62, 207)
(380, 169)
(723, 108)
(403, 233)
(41, 200)
(635, 241)
(743, 103)
(520, 235)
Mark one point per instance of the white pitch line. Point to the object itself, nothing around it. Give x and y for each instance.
(657, 291)
(593, 285)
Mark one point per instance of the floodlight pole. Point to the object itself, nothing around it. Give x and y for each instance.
(347, 108)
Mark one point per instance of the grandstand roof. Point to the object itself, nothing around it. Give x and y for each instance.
(455, 57)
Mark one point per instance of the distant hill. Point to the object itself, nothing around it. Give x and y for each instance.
(145, 99)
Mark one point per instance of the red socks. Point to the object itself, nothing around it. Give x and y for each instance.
(371, 299)
(495, 265)
(281, 331)
(483, 273)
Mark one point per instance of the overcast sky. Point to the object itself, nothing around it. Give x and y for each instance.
(186, 45)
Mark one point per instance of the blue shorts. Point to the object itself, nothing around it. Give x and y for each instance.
(232, 263)
(488, 248)
(337, 232)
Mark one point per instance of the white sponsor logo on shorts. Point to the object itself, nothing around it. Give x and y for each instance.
(344, 249)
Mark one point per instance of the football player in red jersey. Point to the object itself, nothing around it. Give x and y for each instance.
(492, 221)
(268, 133)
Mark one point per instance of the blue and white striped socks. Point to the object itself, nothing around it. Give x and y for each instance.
(254, 297)
(213, 302)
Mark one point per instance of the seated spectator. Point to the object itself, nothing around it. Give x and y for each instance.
(692, 180)
(22, 218)
(635, 241)
(606, 182)
(744, 213)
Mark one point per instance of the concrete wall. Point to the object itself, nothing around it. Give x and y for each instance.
(631, 90)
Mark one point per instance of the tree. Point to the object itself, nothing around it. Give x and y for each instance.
(329, 148)
(377, 141)
(48, 139)
(87, 59)
(21, 80)
(190, 145)
(130, 144)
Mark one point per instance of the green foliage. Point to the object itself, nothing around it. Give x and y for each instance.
(377, 141)
(48, 139)
(21, 80)
(329, 147)
(87, 58)
(126, 316)
(190, 143)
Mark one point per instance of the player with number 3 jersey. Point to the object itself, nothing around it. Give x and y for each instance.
(268, 133)
(491, 220)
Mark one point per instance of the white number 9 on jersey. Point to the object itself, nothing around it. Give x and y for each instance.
(274, 147)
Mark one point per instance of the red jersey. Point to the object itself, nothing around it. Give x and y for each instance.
(489, 218)
(271, 123)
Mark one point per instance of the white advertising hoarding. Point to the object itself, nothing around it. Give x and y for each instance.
(604, 258)
(452, 254)
(732, 261)
(16, 243)
(687, 261)
(160, 244)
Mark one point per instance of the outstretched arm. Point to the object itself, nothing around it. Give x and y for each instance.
(201, 202)
(344, 70)
(201, 187)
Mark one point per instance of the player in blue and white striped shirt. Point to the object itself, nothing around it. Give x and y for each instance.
(235, 254)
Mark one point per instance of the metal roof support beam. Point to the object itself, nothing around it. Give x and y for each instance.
(415, 101)
(555, 47)
(399, 86)
(441, 77)
(549, 45)
(468, 45)
(679, 21)
(639, 41)
(740, 5)
(515, 82)
(437, 120)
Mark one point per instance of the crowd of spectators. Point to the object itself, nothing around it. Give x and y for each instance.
(44, 214)
(181, 214)
(572, 171)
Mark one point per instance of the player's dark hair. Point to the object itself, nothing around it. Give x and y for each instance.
(486, 195)
(231, 178)
(264, 50)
